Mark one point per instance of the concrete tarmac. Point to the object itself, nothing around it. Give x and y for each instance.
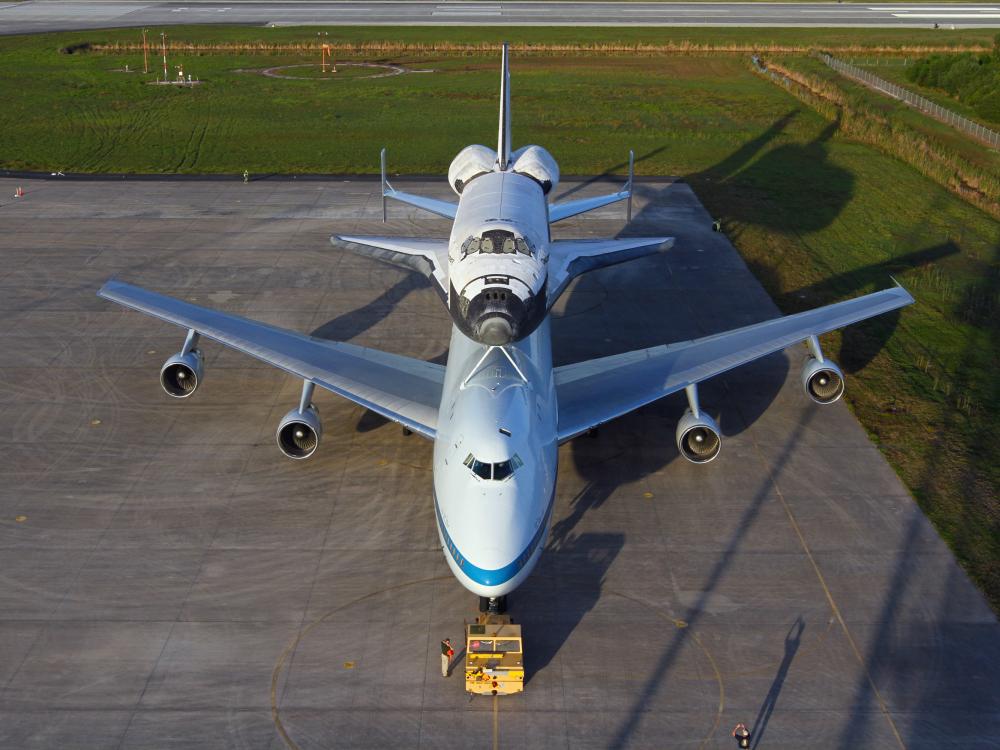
(60, 15)
(169, 579)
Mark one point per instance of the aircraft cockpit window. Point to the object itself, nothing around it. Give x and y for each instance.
(481, 469)
(470, 246)
(502, 470)
(498, 471)
(497, 241)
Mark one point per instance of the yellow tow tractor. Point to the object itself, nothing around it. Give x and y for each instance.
(494, 658)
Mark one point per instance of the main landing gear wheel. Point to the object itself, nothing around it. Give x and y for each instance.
(493, 605)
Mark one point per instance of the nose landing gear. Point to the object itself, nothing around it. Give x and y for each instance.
(494, 605)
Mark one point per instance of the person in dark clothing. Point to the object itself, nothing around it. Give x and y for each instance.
(742, 735)
(446, 653)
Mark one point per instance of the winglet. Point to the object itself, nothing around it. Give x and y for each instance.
(900, 286)
(631, 175)
(503, 138)
(384, 184)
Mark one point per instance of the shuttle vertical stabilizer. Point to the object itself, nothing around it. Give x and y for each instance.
(503, 139)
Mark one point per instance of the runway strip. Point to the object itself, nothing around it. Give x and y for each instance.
(44, 15)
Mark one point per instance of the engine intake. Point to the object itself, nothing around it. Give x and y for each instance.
(823, 381)
(299, 432)
(181, 375)
(698, 438)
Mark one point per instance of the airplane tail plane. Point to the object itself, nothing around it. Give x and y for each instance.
(503, 137)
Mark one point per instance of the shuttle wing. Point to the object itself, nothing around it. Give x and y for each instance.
(596, 391)
(428, 257)
(405, 390)
(560, 211)
(569, 258)
(435, 206)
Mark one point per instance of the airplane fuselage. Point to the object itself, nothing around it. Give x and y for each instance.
(495, 453)
(495, 460)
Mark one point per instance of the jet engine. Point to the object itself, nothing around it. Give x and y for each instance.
(299, 432)
(822, 381)
(471, 162)
(182, 373)
(537, 163)
(698, 437)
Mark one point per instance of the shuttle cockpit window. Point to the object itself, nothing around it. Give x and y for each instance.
(496, 472)
(499, 242)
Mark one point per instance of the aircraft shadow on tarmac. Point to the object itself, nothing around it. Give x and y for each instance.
(565, 587)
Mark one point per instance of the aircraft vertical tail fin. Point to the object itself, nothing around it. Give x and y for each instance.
(503, 139)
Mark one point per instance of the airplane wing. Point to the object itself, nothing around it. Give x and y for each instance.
(427, 257)
(560, 211)
(402, 389)
(435, 206)
(569, 258)
(596, 391)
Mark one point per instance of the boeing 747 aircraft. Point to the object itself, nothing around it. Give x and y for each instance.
(498, 411)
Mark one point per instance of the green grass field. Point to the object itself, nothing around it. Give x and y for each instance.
(818, 217)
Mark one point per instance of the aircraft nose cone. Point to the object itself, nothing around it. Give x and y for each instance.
(495, 331)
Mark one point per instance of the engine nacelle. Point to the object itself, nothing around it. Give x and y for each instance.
(538, 164)
(823, 381)
(181, 375)
(299, 432)
(471, 162)
(698, 438)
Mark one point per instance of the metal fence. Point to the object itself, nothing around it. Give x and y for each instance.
(763, 69)
(926, 105)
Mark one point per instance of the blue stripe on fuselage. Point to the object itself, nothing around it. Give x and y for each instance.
(499, 576)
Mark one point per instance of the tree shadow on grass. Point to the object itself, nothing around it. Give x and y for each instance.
(860, 343)
(793, 187)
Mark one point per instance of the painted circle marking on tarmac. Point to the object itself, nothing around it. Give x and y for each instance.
(293, 644)
(681, 626)
(684, 625)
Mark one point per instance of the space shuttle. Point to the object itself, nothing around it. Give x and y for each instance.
(500, 272)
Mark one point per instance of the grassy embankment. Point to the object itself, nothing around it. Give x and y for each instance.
(819, 217)
(952, 140)
(897, 74)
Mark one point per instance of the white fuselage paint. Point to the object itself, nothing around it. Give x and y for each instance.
(493, 531)
(500, 200)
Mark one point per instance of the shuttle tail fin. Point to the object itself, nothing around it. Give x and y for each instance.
(503, 138)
